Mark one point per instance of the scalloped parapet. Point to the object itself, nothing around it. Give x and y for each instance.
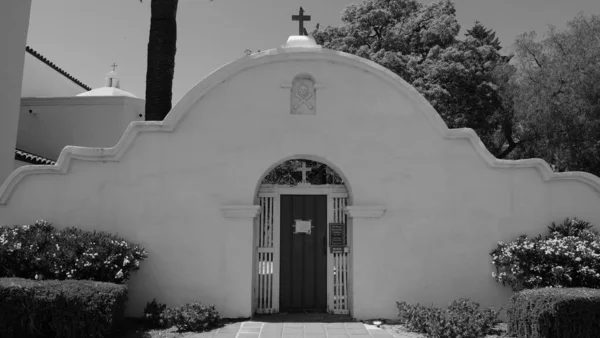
(274, 56)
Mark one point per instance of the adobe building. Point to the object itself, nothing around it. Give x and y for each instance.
(301, 178)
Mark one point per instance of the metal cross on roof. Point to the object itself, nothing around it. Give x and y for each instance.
(304, 170)
(301, 18)
(114, 65)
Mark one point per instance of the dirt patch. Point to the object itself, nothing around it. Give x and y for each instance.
(400, 331)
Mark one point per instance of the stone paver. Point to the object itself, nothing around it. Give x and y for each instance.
(296, 330)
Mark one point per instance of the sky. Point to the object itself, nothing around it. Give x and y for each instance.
(85, 37)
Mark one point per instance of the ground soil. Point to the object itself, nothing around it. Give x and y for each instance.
(400, 330)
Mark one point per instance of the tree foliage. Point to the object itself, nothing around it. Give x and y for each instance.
(543, 101)
(420, 43)
(556, 94)
(484, 36)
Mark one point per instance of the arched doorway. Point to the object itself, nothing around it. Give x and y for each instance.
(302, 258)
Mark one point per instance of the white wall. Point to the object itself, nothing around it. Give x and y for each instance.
(14, 22)
(82, 121)
(18, 164)
(41, 80)
(446, 204)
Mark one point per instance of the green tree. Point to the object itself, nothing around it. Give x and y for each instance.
(557, 95)
(484, 35)
(420, 43)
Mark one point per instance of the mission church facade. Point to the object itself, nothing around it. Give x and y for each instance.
(302, 179)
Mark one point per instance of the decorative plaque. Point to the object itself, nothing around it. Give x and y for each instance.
(337, 235)
(303, 226)
(304, 96)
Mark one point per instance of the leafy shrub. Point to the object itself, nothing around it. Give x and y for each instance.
(188, 317)
(463, 318)
(154, 315)
(39, 251)
(572, 227)
(69, 309)
(193, 317)
(416, 317)
(555, 313)
(569, 256)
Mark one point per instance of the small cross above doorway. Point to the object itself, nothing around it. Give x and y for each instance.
(114, 66)
(301, 18)
(304, 170)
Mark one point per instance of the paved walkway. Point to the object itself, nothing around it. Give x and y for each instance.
(256, 329)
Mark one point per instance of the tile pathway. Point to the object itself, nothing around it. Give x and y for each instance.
(296, 330)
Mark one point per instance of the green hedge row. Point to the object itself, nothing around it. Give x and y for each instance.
(555, 313)
(69, 309)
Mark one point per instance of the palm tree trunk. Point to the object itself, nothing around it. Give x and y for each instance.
(162, 46)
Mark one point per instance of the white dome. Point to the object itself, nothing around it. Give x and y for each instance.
(107, 91)
(301, 41)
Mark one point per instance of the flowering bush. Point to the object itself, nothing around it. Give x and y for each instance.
(39, 251)
(462, 319)
(569, 256)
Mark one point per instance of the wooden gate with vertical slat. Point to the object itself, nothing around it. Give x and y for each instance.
(266, 280)
(267, 240)
(339, 271)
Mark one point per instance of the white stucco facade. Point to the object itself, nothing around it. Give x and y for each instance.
(47, 125)
(14, 23)
(426, 204)
(18, 164)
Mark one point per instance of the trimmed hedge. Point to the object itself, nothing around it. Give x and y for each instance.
(69, 309)
(555, 313)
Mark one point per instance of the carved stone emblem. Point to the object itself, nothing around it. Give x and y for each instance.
(304, 96)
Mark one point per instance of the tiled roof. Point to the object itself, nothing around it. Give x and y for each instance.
(24, 156)
(55, 67)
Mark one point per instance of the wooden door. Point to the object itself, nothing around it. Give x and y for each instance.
(303, 257)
